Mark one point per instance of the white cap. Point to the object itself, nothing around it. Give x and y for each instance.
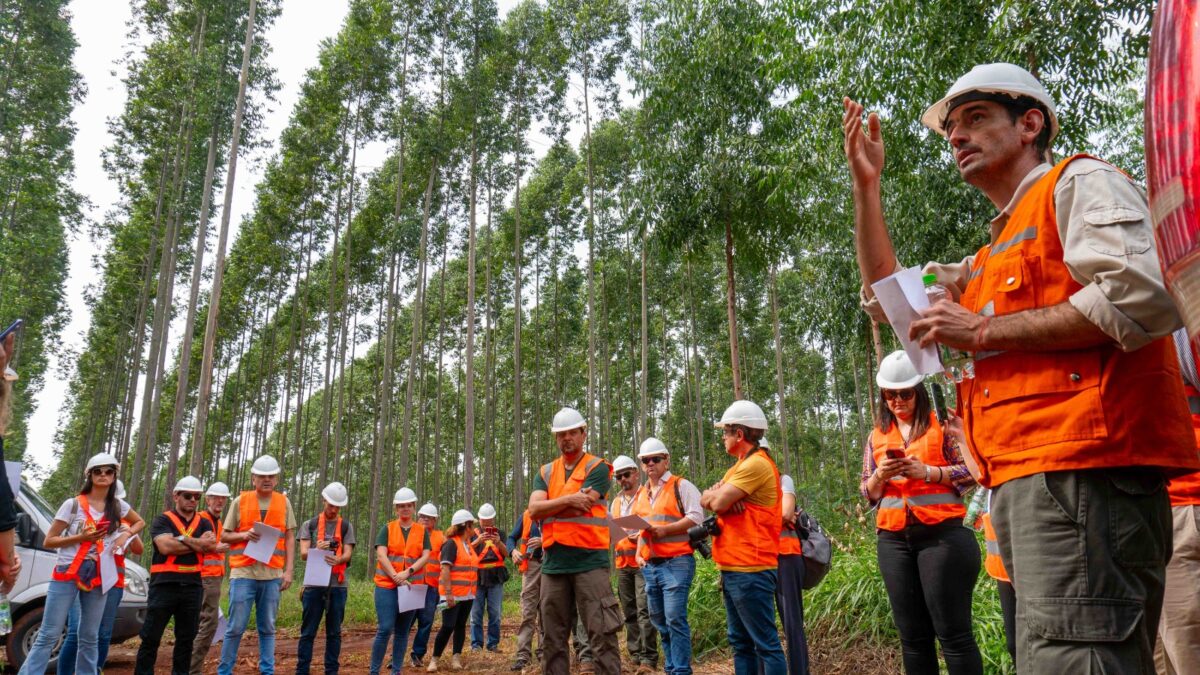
(265, 466)
(335, 493)
(121, 490)
(188, 484)
(787, 485)
(404, 496)
(461, 516)
(897, 372)
(218, 489)
(621, 463)
(487, 511)
(745, 413)
(102, 459)
(428, 510)
(567, 419)
(992, 78)
(650, 447)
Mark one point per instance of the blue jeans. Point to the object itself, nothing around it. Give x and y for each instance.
(750, 619)
(264, 596)
(490, 598)
(59, 598)
(425, 623)
(318, 602)
(393, 627)
(667, 586)
(66, 655)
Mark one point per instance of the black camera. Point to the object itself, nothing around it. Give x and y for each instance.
(698, 536)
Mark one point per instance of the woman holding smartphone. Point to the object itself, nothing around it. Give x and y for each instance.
(915, 477)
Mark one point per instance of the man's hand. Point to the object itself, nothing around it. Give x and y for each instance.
(221, 548)
(950, 324)
(582, 501)
(864, 151)
(287, 580)
(533, 542)
(9, 571)
(251, 535)
(656, 532)
(641, 562)
(517, 557)
(323, 544)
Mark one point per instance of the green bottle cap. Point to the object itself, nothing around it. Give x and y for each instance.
(929, 279)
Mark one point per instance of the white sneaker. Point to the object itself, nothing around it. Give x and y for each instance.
(432, 667)
(455, 662)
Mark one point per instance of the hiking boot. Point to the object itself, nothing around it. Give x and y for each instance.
(455, 662)
(432, 667)
(518, 666)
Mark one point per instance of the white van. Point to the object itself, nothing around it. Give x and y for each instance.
(28, 596)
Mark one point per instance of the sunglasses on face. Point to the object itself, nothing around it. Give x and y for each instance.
(903, 394)
(624, 474)
(194, 496)
(652, 460)
(104, 471)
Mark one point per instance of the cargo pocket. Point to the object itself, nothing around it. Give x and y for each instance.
(610, 615)
(1083, 619)
(1139, 518)
(1117, 230)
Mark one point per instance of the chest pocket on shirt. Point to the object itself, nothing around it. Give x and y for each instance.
(1117, 230)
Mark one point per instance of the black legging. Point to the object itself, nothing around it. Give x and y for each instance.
(1008, 608)
(930, 573)
(454, 620)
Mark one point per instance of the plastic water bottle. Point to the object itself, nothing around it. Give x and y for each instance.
(956, 365)
(5, 615)
(975, 509)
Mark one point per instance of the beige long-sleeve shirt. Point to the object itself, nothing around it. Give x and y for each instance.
(1104, 223)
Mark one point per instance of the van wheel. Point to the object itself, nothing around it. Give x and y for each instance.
(20, 641)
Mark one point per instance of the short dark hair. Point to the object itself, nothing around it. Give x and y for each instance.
(1016, 106)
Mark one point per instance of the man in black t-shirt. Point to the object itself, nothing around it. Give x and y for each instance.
(179, 536)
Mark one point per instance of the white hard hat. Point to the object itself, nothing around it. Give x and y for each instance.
(121, 490)
(265, 466)
(650, 447)
(404, 496)
(102, 459)
(762, 443)
(335, 493)
(487, 511)
(188, 484)
(428, 510)
(897, 372)
(567, 419)
(992, 78)
(218, 489)
(745, 413)
(621, 463)
(461, 516)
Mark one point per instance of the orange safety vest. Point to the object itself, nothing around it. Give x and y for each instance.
(589, 531)
(1029, 412)
(186, 530)
(464, 573)
(931, 503)
(433, 568)
(339, 571)
(403, 552)
(523, 542)
(1185, 490)
(72, 573)
(665, 509)
(789, 541)
(213, 564)
(992, 562)
(488, 546)
(750, 538)
(625, 551)
(248, 514)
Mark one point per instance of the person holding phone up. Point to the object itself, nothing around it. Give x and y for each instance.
(490, 549)
(916, 477)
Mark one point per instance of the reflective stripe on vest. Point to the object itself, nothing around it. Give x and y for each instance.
(992, 562)
(491, 564)
(464, 573)
(213, 564)
(248, 514)
(523, 542)
(750, 539)
(625, 549)
(589, 531)
(930, 503)
(789, 541)
(402, 552)
(170, 565)
(72, 573)
(1029, 412)
(663, 510)
(433, 568)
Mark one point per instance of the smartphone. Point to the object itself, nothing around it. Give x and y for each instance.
(895, 454)
(939, 403)
(494, 531)
(14, 326)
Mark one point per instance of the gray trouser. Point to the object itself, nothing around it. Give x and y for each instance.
(209, 603)
(587, 596)
(531, 592)
(1179, 645)
(1087, 552)
(640, 637)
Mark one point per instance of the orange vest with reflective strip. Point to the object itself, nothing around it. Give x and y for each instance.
(1029, 412)
(789, 541)
(589, 531)
(170, 565)
(464, 573)
(625, 551)
(491, 564)
(338, 571)
(665, 509)
(523, 542)
(402, 552)
(750, 538)
(433, 568)
(213, 564)
(992, 562)
(248, 514)
(72, 573)
(931, 503)
(1185, 489)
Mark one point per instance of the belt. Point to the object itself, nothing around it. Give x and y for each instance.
(661, 560)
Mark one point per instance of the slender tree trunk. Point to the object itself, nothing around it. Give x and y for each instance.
(591, 234)
(731, 312)
(469, 356)
(417, 325)
(518, 409)
(779, 385)
(645, 346)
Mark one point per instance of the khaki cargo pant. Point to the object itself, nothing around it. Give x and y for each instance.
(208, 622)
(1178, 650)
(531, 595)
(587, 596)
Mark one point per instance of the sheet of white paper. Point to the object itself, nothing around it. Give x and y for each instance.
(108, 570)
(222, 626)
(264, 548)
(317, 569)
(632, 522)
(411, 597)
(13, 471)
(902, 296)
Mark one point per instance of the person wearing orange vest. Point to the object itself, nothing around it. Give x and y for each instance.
(671, 505)
(631, 585)
(458, 585)
(211, 575)
(402, 549)
(331, 536)
(914, 476)
(525, 542)
(746, 543)
(567, 498)
(489, 548)
(427, 516)
(1068, 318)
(84, 527)
(180, 538)
(253, 584)
(789, 594)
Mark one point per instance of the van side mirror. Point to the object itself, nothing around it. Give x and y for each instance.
(25, 530)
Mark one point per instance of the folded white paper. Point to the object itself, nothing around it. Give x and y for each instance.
(902, 297)
(632, 522)
(222, 626)
(317, 570)
(264, 548)
(411, 597)
(108, 569)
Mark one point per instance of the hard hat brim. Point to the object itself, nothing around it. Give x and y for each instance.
(577, 425)
(902, 384)
(334, 502)
(934, 114)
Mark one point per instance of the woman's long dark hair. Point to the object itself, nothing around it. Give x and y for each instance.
(112, 505)
(456, 530)
(921, 410)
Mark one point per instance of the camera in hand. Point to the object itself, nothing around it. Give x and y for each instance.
(698, 536)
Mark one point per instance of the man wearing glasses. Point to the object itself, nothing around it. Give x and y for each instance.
(631, 587)
(179, 537)
(671, 505)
